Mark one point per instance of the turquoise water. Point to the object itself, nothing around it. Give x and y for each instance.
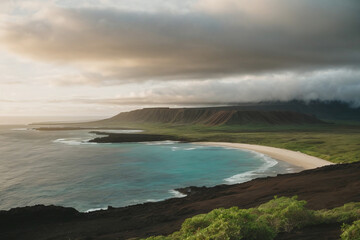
(61, 168)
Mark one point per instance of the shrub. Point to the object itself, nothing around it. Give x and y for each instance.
(229, 224)
(285, 214)
(347, 213)
(351, 232)
(158, 238)
(281, 214)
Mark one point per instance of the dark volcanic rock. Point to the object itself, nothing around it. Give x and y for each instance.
(36, 215)
(128, 137)
(62, 128)
(325, 187)
(192, 190)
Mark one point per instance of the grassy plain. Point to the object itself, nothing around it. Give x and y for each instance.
(336, 142)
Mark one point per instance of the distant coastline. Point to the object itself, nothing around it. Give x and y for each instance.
(132, 137)
(295, 158)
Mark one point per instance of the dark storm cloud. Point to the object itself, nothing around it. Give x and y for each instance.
(221, 40)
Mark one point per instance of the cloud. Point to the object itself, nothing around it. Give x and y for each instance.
(6, 101)
(228, 51)
(10, 82)
(341, 85)
(207, 42)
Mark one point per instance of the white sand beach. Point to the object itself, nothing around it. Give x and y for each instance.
(296, 158)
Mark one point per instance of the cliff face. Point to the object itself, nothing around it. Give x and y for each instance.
(212, 117)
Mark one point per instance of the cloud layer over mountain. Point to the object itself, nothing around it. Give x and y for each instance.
(199, 51)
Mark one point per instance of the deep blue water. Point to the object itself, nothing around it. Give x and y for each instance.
(59, 167)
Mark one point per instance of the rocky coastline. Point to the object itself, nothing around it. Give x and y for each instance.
(131, 137)
(324, 187)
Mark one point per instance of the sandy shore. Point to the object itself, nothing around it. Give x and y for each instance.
(296, 158)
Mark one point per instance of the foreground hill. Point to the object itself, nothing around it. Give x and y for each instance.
(211, 117)
(325, 187)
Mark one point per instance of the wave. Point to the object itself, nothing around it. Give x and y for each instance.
(95, 209)
(119, 131)
(21, 129)
(155, 200)
(173, 192)
(184, 148)
(189, 149)
(247, 176)
(291, 170)
(177, 194)
(74, 141)
(166, 142)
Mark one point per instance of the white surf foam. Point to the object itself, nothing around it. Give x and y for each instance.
(119, 131)
(21, 129)
(177, 194)
(173, 192)
(290, 170)
(155, 200)
(189, 149)
(166, 142)
(95, 209)
(247, 176)
(240, 178)
(183, 149)
(74, 141)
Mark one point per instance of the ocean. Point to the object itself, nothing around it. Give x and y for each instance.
(62, 168)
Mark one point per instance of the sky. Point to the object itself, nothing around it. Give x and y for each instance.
(101, 57)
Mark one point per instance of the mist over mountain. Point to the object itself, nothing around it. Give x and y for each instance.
(325, 110)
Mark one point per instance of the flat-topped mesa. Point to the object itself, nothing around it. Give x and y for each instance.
(213, 117)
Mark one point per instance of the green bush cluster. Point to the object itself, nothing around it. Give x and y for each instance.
(344, 214)
(281, 214)
(284, 214)
(351, 232)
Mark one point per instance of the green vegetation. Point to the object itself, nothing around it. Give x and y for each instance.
(351, 232)
(339, 143)
(265, 222)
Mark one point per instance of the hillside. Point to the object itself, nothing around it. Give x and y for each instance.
(325, 110)
(212, 116)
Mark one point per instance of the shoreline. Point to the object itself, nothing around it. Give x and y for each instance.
(132, 137)
(295, 158)
(326, 187)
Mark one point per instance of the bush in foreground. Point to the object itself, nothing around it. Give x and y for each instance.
(351, 232)
(347, 213)
(281, 214)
